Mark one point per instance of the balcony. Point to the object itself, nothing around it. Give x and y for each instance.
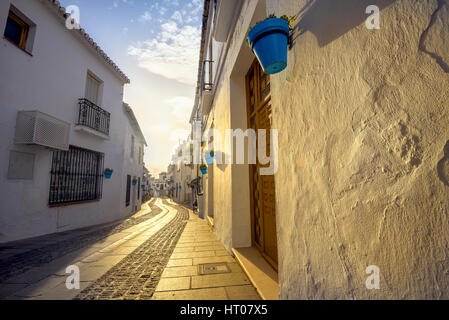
(94, 118)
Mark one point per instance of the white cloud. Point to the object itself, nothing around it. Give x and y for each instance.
(177, 17)
(145, 17)
(181, 107)
(172, 54)
(177, 135)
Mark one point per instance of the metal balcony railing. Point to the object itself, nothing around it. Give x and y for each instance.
(94, 117)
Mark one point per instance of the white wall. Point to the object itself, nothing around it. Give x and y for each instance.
(52, 80)
(363, 119)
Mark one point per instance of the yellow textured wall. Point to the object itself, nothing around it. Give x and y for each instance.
(363, 179)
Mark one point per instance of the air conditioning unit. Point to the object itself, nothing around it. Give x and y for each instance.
(37, 128)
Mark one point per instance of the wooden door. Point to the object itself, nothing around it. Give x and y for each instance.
(262, 187)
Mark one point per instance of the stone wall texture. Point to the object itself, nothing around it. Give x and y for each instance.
(363, 120)
(363, 179)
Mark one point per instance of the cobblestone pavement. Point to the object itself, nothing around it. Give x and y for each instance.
(39, 251)
(137, 276)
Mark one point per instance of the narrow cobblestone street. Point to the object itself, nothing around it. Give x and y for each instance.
(162, 252)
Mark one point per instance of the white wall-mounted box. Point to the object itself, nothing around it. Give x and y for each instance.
(37, 128)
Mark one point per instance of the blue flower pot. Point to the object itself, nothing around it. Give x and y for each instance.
(203, 170)
(209, 158)
(134, 183)
(108, 174)
(269, 40)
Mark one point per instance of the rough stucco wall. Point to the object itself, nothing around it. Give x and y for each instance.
(363, 178)
(222, 173)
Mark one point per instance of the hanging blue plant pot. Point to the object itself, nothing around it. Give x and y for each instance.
(209, 158)
(108, 174)
(269, 40)
(134, 182)
(203, 170)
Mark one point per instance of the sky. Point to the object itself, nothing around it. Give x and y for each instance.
(156, 44)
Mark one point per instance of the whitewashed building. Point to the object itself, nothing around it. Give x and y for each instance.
(181, 172)
(362, 118)
(133, 164)
(61, 126)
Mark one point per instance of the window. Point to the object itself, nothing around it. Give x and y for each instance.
(132, 146)
(138, 188)
(128, 190)
(140, 155)
(16, 30)
(93, 89)
(76, 176)
(20, 30)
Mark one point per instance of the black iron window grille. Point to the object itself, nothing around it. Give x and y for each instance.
(76, 176)
(94, 117)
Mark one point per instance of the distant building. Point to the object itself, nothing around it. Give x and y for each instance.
(161, 185)
(181, 173)
(133, 166)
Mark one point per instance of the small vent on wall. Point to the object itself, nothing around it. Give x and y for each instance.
(34, 127)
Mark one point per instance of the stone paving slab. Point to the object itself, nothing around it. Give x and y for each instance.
(194, 294)
(180, 262)
(247, 292)
(181, 279)
(220, 280)
(173, 272)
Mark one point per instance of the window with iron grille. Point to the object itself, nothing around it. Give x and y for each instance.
(76, 176)
(128, 190)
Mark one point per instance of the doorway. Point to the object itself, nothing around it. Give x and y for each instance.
(262, 187)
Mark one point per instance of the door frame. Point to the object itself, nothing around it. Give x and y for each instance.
(259, 104)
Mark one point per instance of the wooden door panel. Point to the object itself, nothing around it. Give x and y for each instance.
(263, 201)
